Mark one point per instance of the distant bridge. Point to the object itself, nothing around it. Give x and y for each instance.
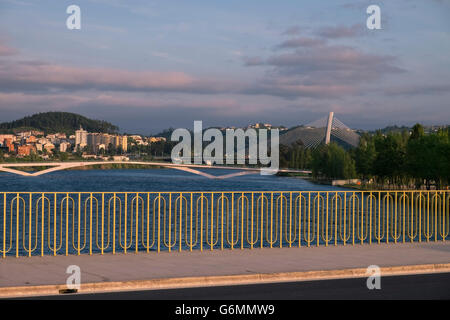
(320, 132)
(192, 168)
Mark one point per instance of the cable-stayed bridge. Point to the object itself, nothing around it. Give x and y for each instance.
(321, 131)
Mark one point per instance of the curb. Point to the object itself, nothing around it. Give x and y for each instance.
(190, 282)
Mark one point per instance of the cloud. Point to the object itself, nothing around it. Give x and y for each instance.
(294, 89)
(300, 42)
(341, 31)
(312, 68)
(321, 71)
(294, 30)
(433, 89)
(253, 61)
(7, 51)
(45, 77)
(333, 59)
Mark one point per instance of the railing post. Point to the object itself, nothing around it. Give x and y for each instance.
(353, 218)
(404, 216)
(148, 224)
(370, 218)
(159, 222)
(336, 222)
(232, 221)
(103, 221)
(242, 221)
(318, 220)
(309, 219)
(251, 226)
(4, 225)
(42, 225)
(17, 225)
(435, 217)
(67, 224)
(114, 224)
(29, 222)
(281, 219)
(290, 220)
(326, 222)
(201, 223)
(221, 225)
(125, 223)
(190, 225)
(181, 222)
(79, 223)
(211, 244)
(54, 223)
(379, 217)
(271, 219)
(90, 226)
(136, 241)
(261, 231)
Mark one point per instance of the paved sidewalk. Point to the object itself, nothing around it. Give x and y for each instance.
(49, 270)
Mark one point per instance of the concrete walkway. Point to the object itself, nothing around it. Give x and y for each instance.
(49, 270)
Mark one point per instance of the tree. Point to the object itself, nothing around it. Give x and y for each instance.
(389, 163)
(365, 155)
(63, 156)
(417, 131)
(332, 162)
(429, 159)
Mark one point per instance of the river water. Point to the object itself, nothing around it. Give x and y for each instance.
(75, 220)
(151, 180)
(152, 209)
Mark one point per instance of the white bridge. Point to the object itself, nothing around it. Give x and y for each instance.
(192, 168)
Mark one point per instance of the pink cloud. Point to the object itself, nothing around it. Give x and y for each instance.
(48, 75)
(7, 51)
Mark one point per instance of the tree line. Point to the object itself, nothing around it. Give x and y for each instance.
(55, 122)
(383, 160)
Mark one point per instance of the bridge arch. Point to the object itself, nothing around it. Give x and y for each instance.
(58, 166)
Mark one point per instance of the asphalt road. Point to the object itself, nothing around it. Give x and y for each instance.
(424, 286)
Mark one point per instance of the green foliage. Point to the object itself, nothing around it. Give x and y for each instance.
(365, 156)
(405, 160)
(332, 162)
(53, 122)
(159, 148)
(295, 157)
(394, 159)
(429, 158)
(390, 157)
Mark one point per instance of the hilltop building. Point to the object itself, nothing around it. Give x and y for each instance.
(99, 140)
(23, 151)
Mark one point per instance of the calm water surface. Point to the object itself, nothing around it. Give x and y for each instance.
(151, 180)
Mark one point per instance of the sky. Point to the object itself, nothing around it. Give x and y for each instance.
(149, 65)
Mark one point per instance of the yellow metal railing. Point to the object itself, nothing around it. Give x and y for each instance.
(97, 222)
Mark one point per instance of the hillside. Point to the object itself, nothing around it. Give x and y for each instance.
(52, 122)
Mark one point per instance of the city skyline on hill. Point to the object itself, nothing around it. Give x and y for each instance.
(101, 126)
